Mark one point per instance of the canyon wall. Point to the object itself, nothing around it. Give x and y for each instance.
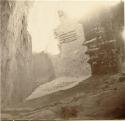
(104, 40)
(16, 53)
(42, 68)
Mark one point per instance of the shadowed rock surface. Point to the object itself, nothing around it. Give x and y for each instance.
(99, 97)
(42, 68)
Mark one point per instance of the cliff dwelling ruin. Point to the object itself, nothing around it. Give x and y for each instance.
(62, 60)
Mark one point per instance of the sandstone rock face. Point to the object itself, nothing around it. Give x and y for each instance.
(72, 60)
(16, 51)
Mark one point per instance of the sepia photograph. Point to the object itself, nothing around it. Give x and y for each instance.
(62, 60)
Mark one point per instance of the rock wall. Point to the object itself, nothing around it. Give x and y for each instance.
(104, 40)
(16, 51)
(42, 68)
(72, 60)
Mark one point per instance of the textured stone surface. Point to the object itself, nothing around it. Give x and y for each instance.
(106, 47)
(16, 51)
(21, 71)
(99, 97)
(72, 60)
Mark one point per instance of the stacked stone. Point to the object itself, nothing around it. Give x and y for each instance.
(72, 60)
(104, 42)
(103, 55)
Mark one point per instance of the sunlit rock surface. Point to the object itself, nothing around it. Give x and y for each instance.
(62, 83)
(72, 60)
(16, 51)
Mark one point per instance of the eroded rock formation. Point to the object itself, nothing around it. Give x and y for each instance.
(16, 51)
(72, 60)
(98, 97)
(104, 40)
